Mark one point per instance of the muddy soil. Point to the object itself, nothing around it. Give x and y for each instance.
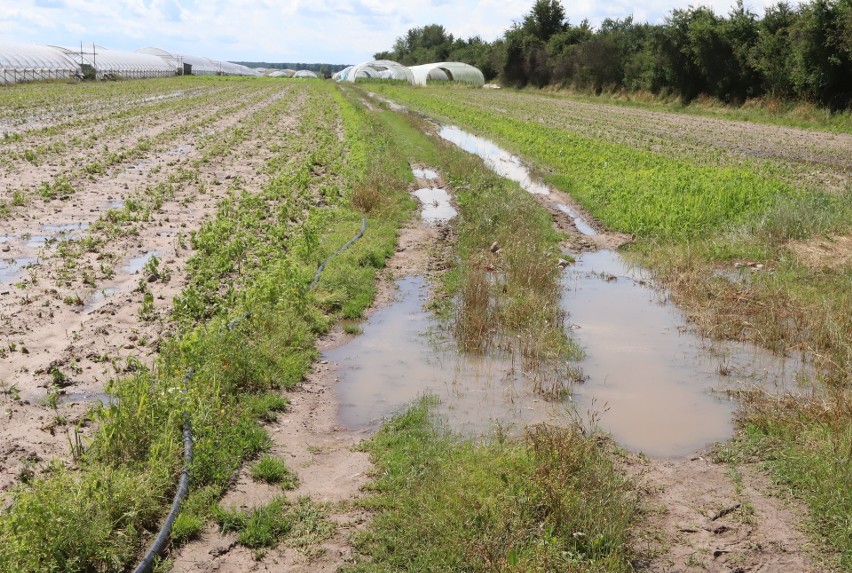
(704, 516)
(310, 438)
(62, 340)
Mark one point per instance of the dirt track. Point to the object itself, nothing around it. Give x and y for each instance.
(309, 437)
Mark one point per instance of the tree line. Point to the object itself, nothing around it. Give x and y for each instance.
(802, 52)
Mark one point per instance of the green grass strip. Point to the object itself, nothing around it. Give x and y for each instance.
(552, 501)
(629, 190)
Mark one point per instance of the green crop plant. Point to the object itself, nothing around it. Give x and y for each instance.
(136, 450)
(60, 188)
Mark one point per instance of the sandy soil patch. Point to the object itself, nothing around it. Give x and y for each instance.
(699, 518)
(830, 252)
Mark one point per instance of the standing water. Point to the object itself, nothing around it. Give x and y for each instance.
(651, 382)
(657, 385)
(401, 356)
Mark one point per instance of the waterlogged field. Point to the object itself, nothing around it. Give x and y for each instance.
(702, 198)
(746, 226)
(158, 249)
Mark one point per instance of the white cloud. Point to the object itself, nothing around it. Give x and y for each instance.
(346, 31)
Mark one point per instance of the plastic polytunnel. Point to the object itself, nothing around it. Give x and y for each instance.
(282, 73)
(196, 65)
(199, 66)
(305, 74)
(447, 72)
(232, 69)
(33, 62)
(384, 69)
(113, 64)
(339, 76)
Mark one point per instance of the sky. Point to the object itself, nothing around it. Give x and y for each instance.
(309, 31)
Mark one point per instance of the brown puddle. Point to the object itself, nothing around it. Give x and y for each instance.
(656, 386)
(401, 356)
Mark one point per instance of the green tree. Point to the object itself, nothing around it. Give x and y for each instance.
(822, 58)
(544, 20)
(772, 54)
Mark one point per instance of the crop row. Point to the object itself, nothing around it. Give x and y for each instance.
(629, 190)
(64, 184)
(796, 155)
(267, 241)
(183, 182)
(48, 104)
(51, 143)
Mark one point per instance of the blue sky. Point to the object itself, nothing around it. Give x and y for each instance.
(345, 31)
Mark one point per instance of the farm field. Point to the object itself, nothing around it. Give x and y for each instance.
(746, 227)
(160, 245)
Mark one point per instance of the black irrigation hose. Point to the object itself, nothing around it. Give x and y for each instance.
(183, 489)
(145, 566)
(337, 252)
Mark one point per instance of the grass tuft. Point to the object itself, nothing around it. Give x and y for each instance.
(268, 525)
(269, 469)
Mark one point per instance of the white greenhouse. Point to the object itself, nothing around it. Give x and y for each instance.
(32, 62)
(342, 74)
(382, 69)
(305, 74)
(286, 73)
(447, 72)
(232, 69)
(199, 66)
(117, 64)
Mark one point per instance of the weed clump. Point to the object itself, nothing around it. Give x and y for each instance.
(551, 501)
(269, 469)
(300, 524)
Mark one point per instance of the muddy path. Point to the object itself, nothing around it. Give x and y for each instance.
(66, 326)
(315, 445)
(705, 516)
